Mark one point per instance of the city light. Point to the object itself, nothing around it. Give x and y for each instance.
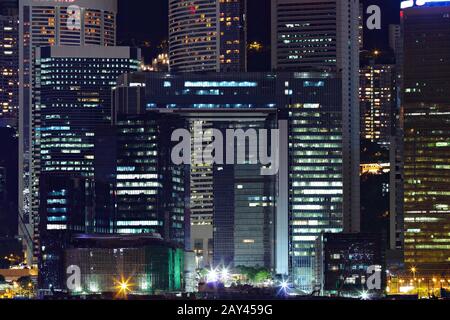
(364, 295)
(255, 46)
(123, 286)
(225, 274)
(212, 276)
(410, 3)
(353, 104)
(284, 288)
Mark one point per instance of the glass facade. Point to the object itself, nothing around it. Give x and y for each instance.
(316, 183)
(149, 190)
(317, 35)
(72, 98)
(311, 104)
(244, 238)
(66, 207)
(426, 107)
(118, 265)
(48, 23)
(298, 42)
(150, 266)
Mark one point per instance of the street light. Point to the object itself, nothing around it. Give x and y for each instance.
(284, 287)
(364, 295)
(414, 270)
(212, 276)
(123, 286)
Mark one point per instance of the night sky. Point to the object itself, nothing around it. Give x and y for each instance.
(141, 21)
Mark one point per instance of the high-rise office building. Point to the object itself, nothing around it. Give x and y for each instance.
(233, 35)
(48, 23)
(316, 35)
(134, 193)
(72, 98)
(395, 36)
(149, 188)
(207, 35)
(9, 63)
(9, 67)
(426, 107)
(396, 157)
(307, 191)
(244, 238)
(201, 197)
(66, 208)
(377, 94)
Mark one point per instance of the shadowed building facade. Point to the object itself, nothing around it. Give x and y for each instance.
(426, 107)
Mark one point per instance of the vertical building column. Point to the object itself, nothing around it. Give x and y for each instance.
(282, 212)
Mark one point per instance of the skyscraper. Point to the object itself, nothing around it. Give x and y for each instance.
(426, 107)
(9, 67)
(150, 189)
(48, 23)
(233, 35)
(378, 102)
(72, 97)
(395, 37)
(245, 237)
(308, 189)
(316, 35)
(207, 35)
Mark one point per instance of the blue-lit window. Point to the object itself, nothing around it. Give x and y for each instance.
(220, 84)
(57, 219)
(313, 84)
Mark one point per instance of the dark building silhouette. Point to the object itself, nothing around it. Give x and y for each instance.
(8, 182)
(347, 261)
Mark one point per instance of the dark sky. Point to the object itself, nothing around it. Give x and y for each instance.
(141, 20)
